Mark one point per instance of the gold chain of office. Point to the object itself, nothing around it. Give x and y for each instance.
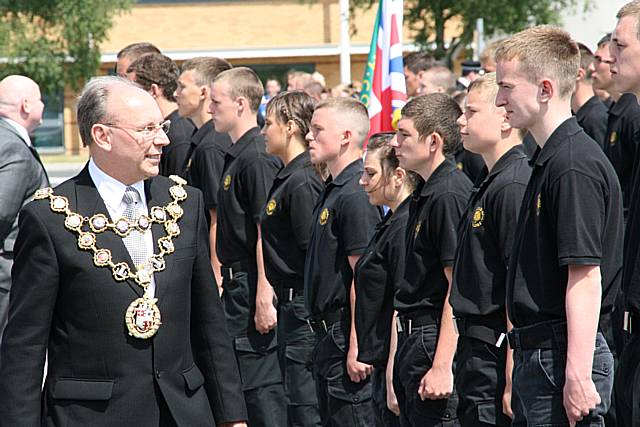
(142, 316)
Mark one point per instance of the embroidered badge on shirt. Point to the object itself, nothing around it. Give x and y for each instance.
(227, 182)
(271, 207)
(324, 216)
(478, 217)
(538, 204)
(613, 138)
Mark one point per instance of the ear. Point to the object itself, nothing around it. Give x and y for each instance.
(505, 126)
(547, 91)
(25, 106)
(204, 93)
(155, 90)
(291, 127)
(436, 142)
(101, 135)
(243, 104)
(399, 176)
(582, 73)
(347, 137)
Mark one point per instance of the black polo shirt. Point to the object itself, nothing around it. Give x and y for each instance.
(343, 223)
(623, 136)
(286, 222)
(631, 272)
(247, 176)
(204, 166)
(592, 117)
(469, 163)
(377, 274)
(571, 214)
(434, 214)
(486, 236)
(174, 156)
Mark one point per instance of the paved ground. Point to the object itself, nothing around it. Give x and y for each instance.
(59, 172)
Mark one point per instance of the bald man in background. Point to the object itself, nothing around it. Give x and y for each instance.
(21, 172)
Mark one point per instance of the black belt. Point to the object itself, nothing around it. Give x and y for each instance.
(287, 294)
(544, 335)
(485, 329)
(631, 323)
(408, 323)
(228, 270)
(320, 324)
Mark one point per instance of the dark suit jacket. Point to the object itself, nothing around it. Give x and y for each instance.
(97, 374)
(21, 174)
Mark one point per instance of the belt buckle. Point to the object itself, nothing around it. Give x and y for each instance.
(399, 328)
(324, 325)
(628, 322)
(310, 327)
(409, 326)
(500, 339)
(290, 294)
(227, 273)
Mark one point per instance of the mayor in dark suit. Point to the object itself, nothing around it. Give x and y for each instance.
(21, 172)
(112, 281)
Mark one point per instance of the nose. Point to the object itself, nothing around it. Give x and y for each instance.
(161, 138)
(462, 120)
(309, 137)
(394, 141)
(500, 101)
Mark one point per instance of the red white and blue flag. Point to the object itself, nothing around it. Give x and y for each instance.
(383, 89)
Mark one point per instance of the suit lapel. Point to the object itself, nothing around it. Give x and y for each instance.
(157, 196)
(88, 203)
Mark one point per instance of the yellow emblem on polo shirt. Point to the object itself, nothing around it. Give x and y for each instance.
(460, 165)
(478, 217)
(538, 204)
(227, 182)
(613, 138)
(418, 227)
(324, 216)
(271, 207)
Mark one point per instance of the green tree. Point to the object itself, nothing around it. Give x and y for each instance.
(429, 17)
(54, 41)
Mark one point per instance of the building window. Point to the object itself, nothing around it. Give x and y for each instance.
(49, 136)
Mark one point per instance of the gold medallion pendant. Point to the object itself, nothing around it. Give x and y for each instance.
(143, 318)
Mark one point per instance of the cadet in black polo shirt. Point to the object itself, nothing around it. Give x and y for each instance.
(564, 270)
(343, 223)
(484, 246)
(285, 226)
(590, 112)
(158, 75)
(380, 268)
(204, 158)
(423, 372)
(626, 75)
(248, 297)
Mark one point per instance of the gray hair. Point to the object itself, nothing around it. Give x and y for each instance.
(92, 103)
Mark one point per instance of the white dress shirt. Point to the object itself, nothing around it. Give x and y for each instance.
(20, 129)
(112, 192)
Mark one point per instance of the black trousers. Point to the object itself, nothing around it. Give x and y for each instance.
(414, 358)
(384, 417)
(296, 342)
(480, 382)
(627, 384)
(342, 402)
(256, 354)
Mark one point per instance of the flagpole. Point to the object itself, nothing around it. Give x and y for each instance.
(345, 59)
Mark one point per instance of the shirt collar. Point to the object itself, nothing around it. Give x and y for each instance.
(300, 161)
(445, 168)
(200, 133)
(515, 153)
(242, 143)
(619, 107)
(22, 132)
(581, 114)
(354, 168)
(568, 128)
(110, 189)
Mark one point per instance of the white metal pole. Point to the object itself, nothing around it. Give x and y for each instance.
(345, 59)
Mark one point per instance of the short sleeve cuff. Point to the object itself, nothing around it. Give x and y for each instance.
(584, 260)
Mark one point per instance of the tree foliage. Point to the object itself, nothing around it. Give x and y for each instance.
(54, 41)
(429, 17)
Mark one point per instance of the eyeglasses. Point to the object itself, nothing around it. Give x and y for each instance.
(147, 132)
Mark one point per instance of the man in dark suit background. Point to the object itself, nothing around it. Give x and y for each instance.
(21, 172)
(141, 344)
